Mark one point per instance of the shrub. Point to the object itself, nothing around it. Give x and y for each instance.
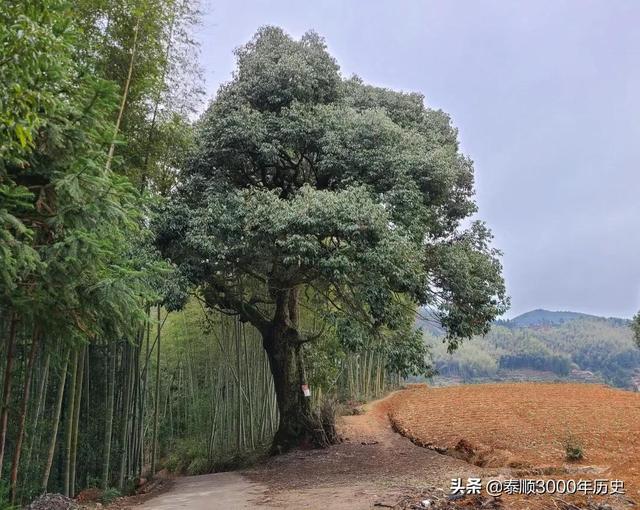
(199, 466)
(573, 449)
(172, 463)
(322, 421)
(108, 495)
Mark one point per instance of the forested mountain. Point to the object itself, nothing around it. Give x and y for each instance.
(541, 317)
(544, 345)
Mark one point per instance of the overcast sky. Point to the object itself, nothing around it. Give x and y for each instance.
(546, 96)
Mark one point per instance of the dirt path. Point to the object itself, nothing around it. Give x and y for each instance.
(218, 490)
(374, 465)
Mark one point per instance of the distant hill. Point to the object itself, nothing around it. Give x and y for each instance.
(534, 318)
(542, 317)
(543, 345)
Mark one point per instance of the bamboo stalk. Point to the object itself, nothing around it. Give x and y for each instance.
(125, 94)
(56, 424)
(126, 362)
(154, 443)
(42, 393)
(6, 391)
(238, 417)
(132, 457)
(76, 420)
(23, 416)
(69, 425)
(145, 385)
(108, 430)
(246, 356)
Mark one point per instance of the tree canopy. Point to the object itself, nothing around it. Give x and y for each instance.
(301, 179)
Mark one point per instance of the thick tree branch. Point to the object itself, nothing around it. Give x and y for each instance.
(217, 293)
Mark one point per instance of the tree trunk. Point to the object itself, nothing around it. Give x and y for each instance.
(15, 464)
(6, 392)
(281, 341)
(293, 427)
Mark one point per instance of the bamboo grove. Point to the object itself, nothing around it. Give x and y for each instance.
(95, 105)
(128, 344)
(89, 396)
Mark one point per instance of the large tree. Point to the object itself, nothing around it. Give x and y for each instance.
(305, 181)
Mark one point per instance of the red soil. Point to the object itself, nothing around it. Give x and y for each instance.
(525, 426)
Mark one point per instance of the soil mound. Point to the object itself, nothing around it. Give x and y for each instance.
(52, 502)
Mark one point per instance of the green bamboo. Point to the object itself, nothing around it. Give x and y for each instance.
(55, 423)
(76, 420)
(15, 464)
(69, 424)
(154, 441)
(109, 403)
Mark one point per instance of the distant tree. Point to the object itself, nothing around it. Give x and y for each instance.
(635, 326)
(304, 181)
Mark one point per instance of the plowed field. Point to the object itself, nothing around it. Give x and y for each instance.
(526, 425)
